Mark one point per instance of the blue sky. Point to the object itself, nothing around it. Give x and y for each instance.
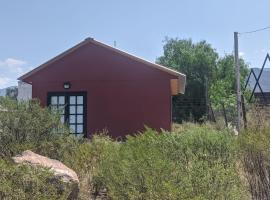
(34, 31)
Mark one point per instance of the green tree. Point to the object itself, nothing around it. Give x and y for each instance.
(12, 92)
(222, 91)
(198, 61)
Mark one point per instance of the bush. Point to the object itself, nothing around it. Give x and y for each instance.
(25, 182)
(85, 158)
(197, 163)
(26, 125)
(255, 157)
(192, 162)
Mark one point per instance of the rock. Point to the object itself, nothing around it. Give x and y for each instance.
(59, 170)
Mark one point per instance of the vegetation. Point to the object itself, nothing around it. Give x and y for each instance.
(222, 91)
(198, 62)
(25, 125)
(24, 182)
(254, 145)
(210, 78)
(197, 163)
(12, 92)
(192, 162)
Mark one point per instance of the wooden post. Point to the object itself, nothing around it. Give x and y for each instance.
(244, 111)
(206, 96)
(238, 89)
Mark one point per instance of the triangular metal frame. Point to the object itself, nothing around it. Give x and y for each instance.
(257, 79)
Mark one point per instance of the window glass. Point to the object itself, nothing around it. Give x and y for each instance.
(61, 109)
(79, 128)
(61, 100)
(72, 110)
(63, 118)
(79, 119)
(72, 128)
(54, 100)
(79, 99)
(71, 119)
(75, 105)
(79, 109)
(72, 100)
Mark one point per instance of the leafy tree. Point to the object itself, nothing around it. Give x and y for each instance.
(198, 61)
(12, 92)
(222, 91)
(208, 77)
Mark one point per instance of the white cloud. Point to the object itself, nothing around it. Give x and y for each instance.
(12, 64)
(4, 82)
(10, 70)
(241, 54)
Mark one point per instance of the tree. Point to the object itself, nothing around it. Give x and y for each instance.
(12, 92)
(199, 62)
(209, 78)
(222, 91)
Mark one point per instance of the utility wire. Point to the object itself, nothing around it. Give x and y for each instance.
(257, 30)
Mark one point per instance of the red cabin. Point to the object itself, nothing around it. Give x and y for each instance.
(100, 87)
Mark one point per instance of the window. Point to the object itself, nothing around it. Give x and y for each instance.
(58, 105)
(72, 107)
(76, 113)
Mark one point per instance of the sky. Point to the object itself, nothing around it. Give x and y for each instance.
(34, 31)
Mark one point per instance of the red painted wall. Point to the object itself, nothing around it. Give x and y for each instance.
(123, 94)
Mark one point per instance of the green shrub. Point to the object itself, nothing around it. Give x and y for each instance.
(192, 162)
(85, 157)
(197, 163)
(26, 125)
(25, 182)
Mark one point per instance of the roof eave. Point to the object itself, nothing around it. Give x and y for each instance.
(21, 78)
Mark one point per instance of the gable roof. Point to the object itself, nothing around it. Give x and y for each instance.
(181, 77)
(264, 80)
